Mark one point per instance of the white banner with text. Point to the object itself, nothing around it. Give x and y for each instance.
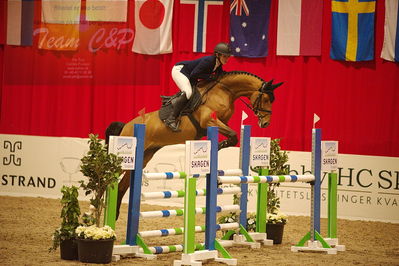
(368, 186)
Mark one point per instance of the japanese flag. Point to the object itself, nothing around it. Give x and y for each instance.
(153, 19)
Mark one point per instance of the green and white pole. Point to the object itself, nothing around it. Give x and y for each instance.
(261, 206)
(261, 212)
(332, 225)
(189, 215)
(332, 205)
(110, 201)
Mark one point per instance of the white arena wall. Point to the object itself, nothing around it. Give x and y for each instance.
(368, 186)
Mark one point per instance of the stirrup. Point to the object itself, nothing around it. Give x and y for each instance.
(173, 124)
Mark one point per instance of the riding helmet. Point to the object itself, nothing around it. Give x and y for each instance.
(222, 48)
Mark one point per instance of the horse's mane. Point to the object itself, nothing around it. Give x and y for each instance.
(266, 89)
(225, 74)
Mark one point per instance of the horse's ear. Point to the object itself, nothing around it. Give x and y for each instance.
(266, 86)
(275, 86)
(269, 84)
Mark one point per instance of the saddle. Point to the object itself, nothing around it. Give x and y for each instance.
(192, 105)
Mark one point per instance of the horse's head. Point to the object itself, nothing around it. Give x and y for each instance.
(262, 100)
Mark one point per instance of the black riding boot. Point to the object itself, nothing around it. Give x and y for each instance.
(178, 104)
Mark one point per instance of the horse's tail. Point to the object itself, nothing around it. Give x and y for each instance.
(114, 129)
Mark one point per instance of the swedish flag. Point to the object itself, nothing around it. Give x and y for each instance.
(352, 30)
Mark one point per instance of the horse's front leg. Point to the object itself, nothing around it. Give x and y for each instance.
(231, 140)
(122, 187)
(226, 131)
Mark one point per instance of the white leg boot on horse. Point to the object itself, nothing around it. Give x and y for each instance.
(178, 105)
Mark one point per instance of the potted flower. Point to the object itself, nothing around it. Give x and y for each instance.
(64, 237)
(275, 226)
(95, 243)
(102, 169)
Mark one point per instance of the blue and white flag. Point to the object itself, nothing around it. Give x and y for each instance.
(249, 27)
(204, 19)
(390, 48)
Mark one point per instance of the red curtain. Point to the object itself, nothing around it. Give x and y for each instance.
(355, 101)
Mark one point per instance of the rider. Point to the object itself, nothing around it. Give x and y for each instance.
(187, 73)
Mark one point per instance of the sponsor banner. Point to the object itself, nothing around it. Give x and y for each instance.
(198, 154)
(39, 166)
(368, 186)
(124, 147)
(260, 152)
(329, 156)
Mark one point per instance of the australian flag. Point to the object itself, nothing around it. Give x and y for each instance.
(249, 27)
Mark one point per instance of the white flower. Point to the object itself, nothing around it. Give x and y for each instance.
(275, 218)
(96, 233)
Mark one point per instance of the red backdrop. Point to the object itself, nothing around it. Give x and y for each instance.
(355, 101)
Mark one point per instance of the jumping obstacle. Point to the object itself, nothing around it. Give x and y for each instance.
(241, 236)
(143, 250)
(312, 241)
(135, 245)
(190, 255)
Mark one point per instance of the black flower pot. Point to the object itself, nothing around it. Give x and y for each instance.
(275, 232)
(69, 249)
(95, 251)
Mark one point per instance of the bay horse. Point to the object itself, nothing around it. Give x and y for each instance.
(216, 96)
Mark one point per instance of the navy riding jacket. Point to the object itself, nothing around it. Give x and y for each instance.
(201, 68)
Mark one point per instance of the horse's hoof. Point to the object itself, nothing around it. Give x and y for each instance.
(223, 144)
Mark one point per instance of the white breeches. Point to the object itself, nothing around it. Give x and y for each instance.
(181, 80)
